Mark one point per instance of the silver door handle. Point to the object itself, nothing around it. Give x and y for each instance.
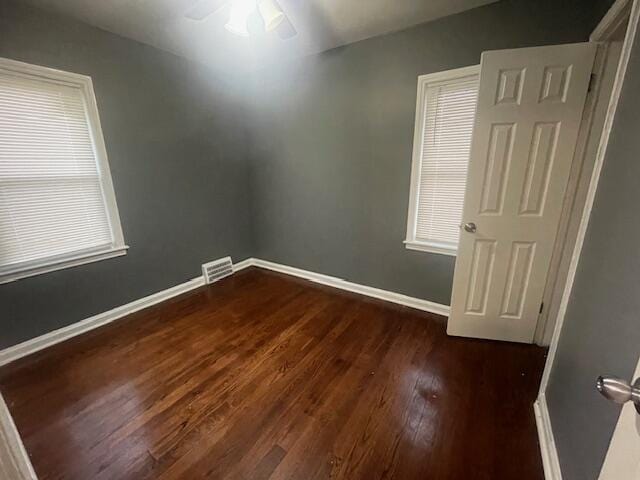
(619, 391)
(470, 227)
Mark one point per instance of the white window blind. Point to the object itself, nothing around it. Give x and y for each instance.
(52, 204)
(446, 113)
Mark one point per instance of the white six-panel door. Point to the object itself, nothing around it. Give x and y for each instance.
(529, 110)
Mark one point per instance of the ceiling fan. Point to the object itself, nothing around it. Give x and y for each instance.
(247, 17)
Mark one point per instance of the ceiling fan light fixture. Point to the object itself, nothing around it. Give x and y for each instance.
(271, 13)
(239, 17)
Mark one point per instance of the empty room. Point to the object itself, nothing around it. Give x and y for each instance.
(319, 239)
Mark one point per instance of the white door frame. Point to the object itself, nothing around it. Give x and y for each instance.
(586, 158)
(14, 461)
(617, 14)
(605, 29)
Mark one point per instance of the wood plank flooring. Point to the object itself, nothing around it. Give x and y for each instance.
(263, 376)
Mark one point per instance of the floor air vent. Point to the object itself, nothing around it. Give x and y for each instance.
(214, 271)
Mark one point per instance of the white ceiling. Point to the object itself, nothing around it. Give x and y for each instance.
(321, 25)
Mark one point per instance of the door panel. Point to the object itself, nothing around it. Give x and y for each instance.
(510, 86)
(529, 110)
(536, 184)
(483, 258)
(522, 254)
(498, 162)
(555, 84)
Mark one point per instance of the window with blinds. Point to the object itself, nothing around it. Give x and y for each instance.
(57, 206)
(444, 123)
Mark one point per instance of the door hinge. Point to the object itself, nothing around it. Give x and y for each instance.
(592, 82)
(541, 307)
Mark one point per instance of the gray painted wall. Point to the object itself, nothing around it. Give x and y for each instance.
(333, 141)
(176, 146)
(601, 332)
(329, 165)
(329, 181)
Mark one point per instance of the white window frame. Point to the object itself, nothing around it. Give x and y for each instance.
(424, 81)
(117, 246)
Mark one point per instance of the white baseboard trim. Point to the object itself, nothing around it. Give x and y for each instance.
(34, 345)
(247, 262)
(28, 347)
(417, 303)
(550, 461)
(14, 461)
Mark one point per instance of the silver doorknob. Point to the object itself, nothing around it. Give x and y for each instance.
(619, 391)
(470, 227)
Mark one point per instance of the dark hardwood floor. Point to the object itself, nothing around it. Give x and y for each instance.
(265, 376)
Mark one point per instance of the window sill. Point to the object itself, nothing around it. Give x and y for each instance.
(431, 248)
(70, 261)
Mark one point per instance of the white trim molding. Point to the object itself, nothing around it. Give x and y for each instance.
(116, 246)
(14, 460)
(417, 303)
(34, 345)
(412, 242)
(66, 262)
(550, 461)
(613, 19)
(247, 262)
(595, 177)
(432, 247)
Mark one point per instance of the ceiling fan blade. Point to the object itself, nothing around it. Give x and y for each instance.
(204, 8)
(286, 29)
